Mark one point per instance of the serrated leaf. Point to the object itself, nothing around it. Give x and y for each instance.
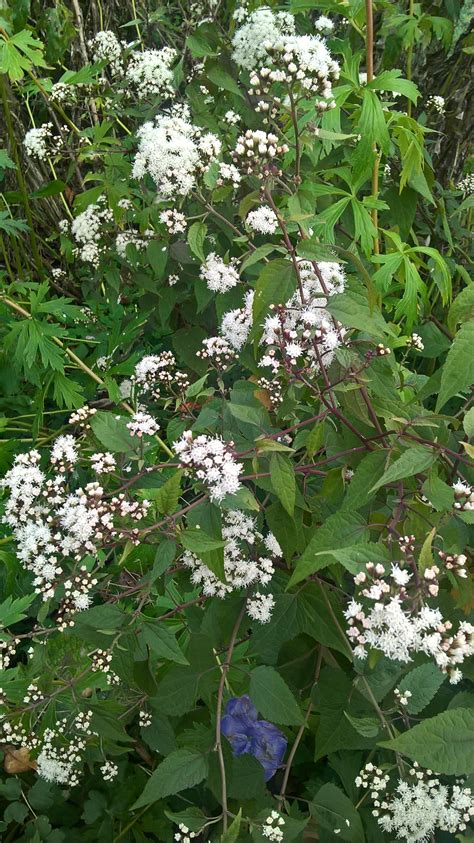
(232, 833)
(352, 309)
(196, 236)
(167, 496)
(276, 284)
(198, 541)
(444, 743)
(458, 370)
(272, 696)
(412, 461)
(368, 727)
(162, 642)
(423, 682)
(282, 477)
(335, 813)
(425, 559)
(112, 432)
(12, 611)
(179, 771)
(341, 529)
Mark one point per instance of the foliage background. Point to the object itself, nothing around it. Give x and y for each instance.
(404, 240)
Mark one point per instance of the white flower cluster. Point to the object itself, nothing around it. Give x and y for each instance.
(236, 324)
(273, 828)
(127, 238)
(40, 143)
(402, 697)
(157, 371)
(106, 47)
(87, 231)
(142, 424)
(256, 150)
(184, 835)
(243, 564)
(149, 72)
(212, 461)
(218, 351)
(390, 618)
(437, 103)
(302, 331)
(52, 524)
(229, 172)
(59, 758)
(174, 220)
(109, 771)
(466, 185)
(323, 24)
(464, 496)
(103, 463)
(144, 718)
(268, 46)
(419, 807)
(416, 342)
(219, 276)
(262, 29)
(173, 153)
(263, 220)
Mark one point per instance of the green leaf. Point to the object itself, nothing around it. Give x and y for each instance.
(198, 541)
(391, 80)
(425, 559)
(335, 813)
(368, 727)
(276, 284)
(468, 423)
(341, 529)
(220, 77)
(112, 432)
(167, 496)
(232, 833)
(67, 393)
(458, 370)
(359, 492)
(273, 698)
(444, 743)
(439, 494)
(163, 643)
(12, 611)
(180, 770)
(462, 308)
(196, 237)
(352, 309)
(193, 818)
(282, 476)
(412, 461)
(423, 682)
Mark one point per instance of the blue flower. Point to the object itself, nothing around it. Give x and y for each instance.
(247, 734)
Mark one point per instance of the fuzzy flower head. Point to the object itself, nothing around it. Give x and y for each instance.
(174, 152)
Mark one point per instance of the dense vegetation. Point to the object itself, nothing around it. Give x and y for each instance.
(237, 322)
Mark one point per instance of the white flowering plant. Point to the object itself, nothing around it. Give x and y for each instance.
(236, 423)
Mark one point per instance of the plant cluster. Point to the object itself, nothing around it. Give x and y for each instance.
(236, 456)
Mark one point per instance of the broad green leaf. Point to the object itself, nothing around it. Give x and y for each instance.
(196, 237)
(352, 309)
(179, 771)
(282, 476)
(335, 813)
(198, 541)
(462, 308)
(359, 492)
(341, 529)
(272, 697)
(391, 80)
(220, 77)
(423, 682)
(412, 461)
(162, 642)
(439, 494)
(468, 423)
(193, 818)
(444, 743)
(167, 496)
(458, 370)
(276, 284)
(425, 559)
(112, 432)
(368, 727)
